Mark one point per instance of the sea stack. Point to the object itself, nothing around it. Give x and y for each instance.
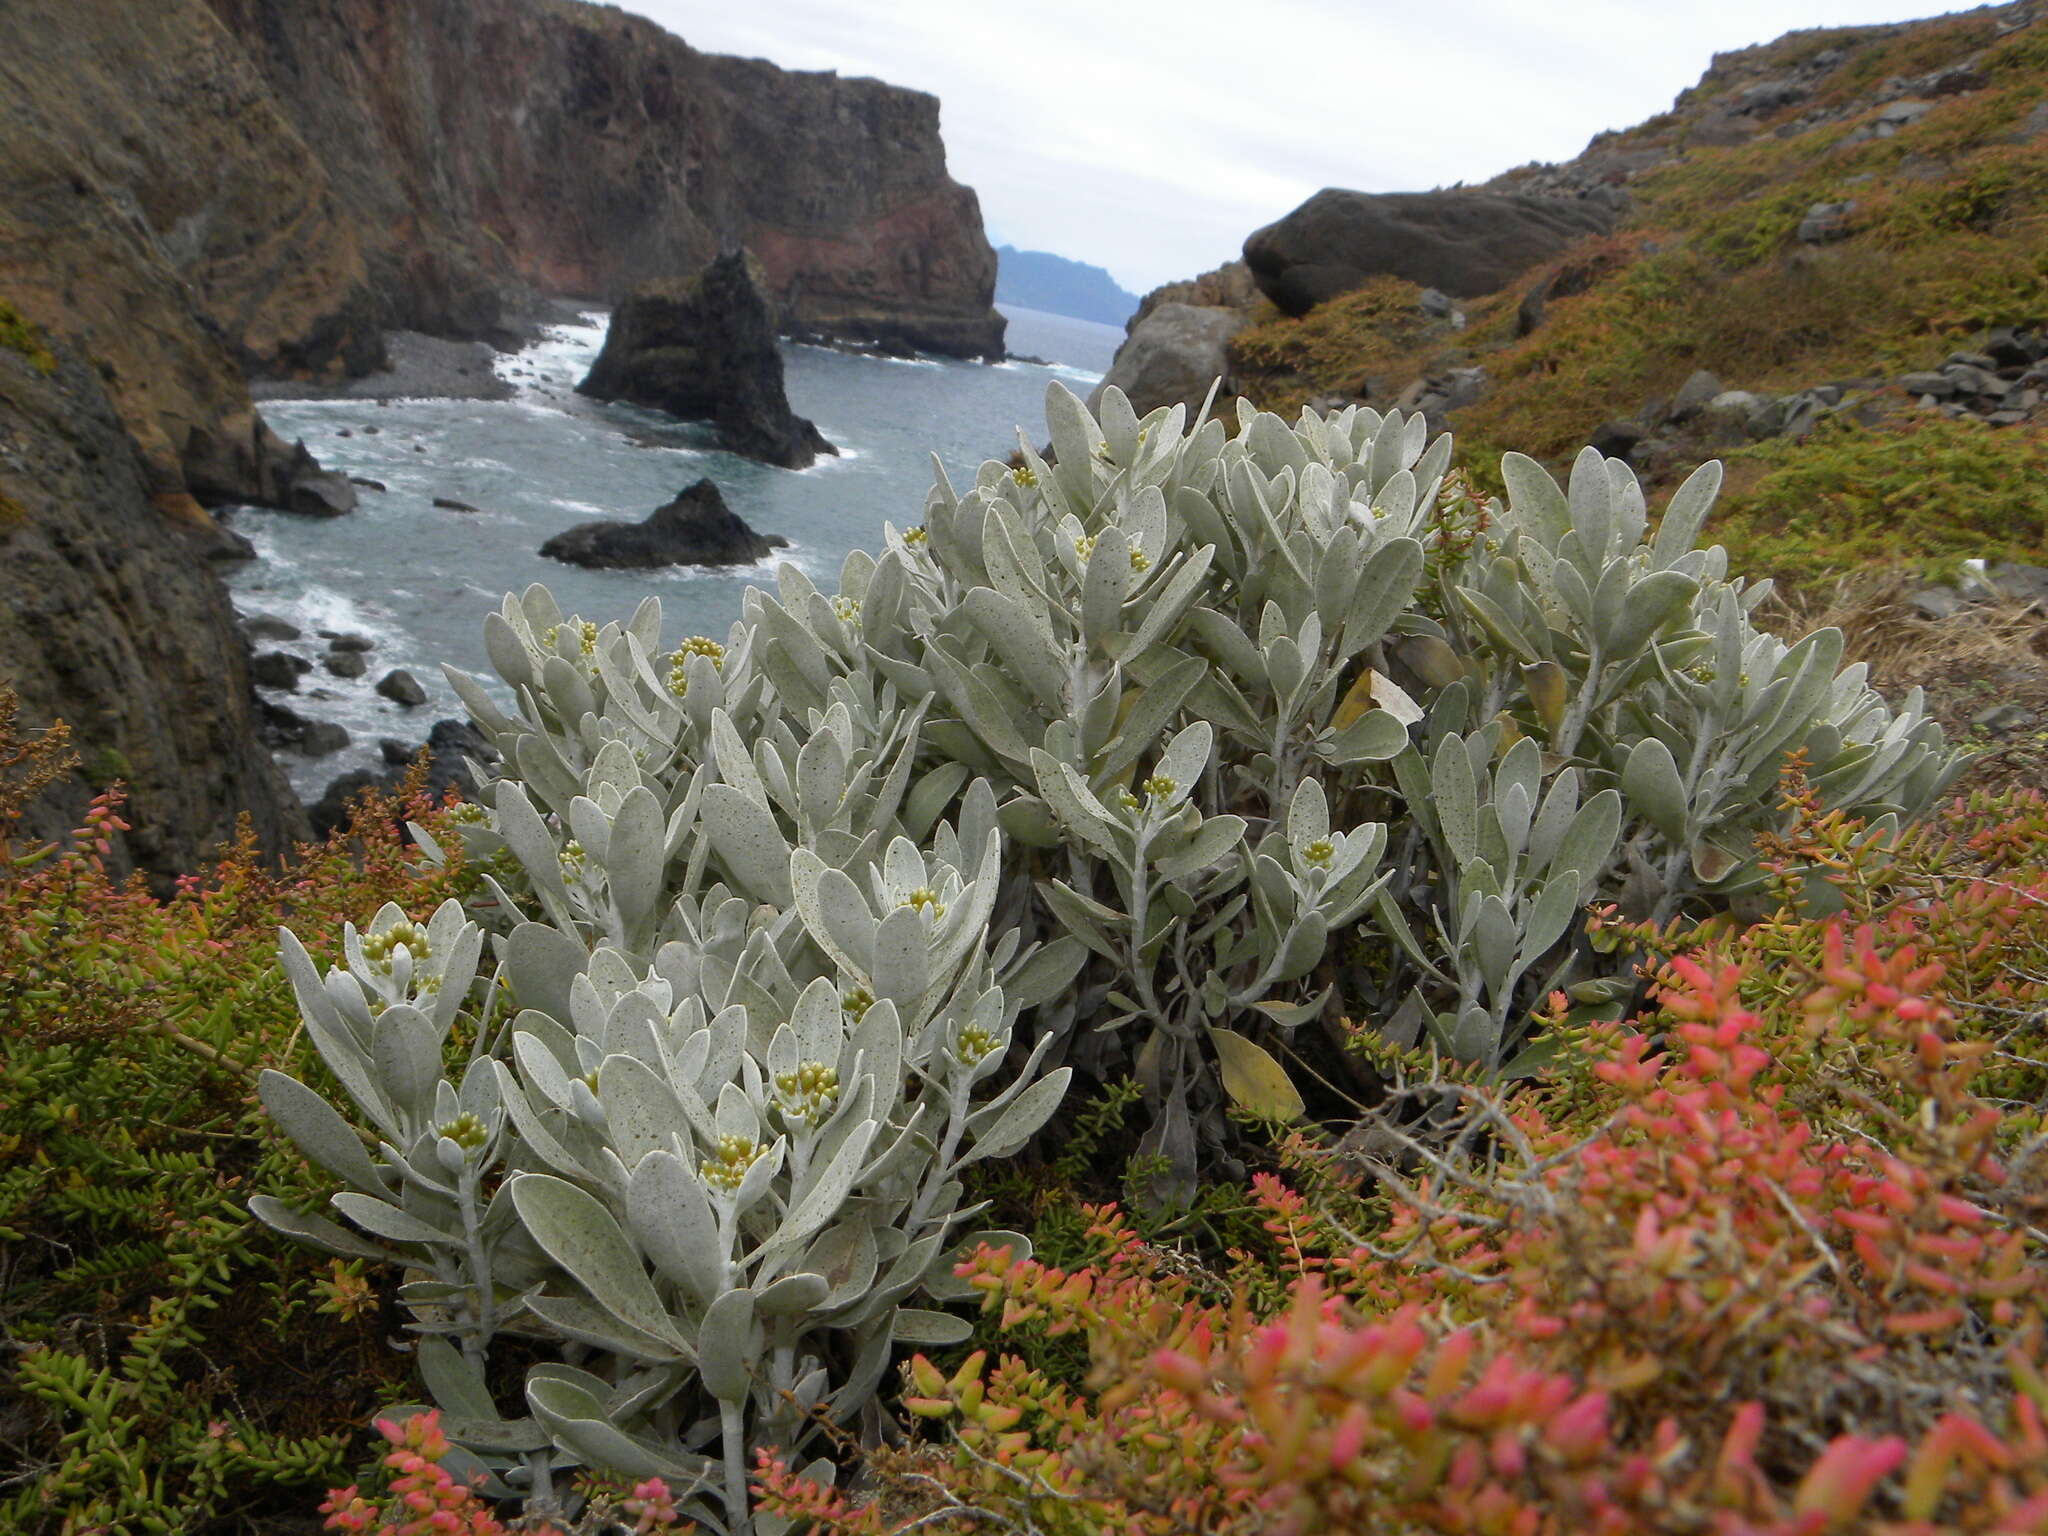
(704, 349)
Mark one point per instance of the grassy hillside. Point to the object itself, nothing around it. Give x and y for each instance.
(1935, 136)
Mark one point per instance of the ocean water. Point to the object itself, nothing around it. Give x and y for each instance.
(418, 579)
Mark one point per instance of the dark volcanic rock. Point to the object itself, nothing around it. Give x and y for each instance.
(697, 528)
(110, 622)
(705, 350)
(278, 669)
(451, 746)
(401, 687)
(342, 663)
(1465, 242)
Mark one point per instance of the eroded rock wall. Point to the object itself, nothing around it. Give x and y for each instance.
(486, 144)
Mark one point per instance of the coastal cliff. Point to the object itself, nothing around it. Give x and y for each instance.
(484, 146)
(194, 192)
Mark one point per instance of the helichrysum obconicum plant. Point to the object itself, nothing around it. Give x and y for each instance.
(1129, 761)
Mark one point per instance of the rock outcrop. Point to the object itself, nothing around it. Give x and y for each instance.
(697, 528)
(486, 145)
(704, 349)
(157, 208)
(1463, 241)
(1172, 356)
(112, 620)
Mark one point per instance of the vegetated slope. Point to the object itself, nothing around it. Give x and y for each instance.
(1061, 286)
(1817, 220)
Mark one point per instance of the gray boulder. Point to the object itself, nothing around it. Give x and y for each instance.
(278, 669)
(1694, 395)
(1825, 222)
(1463, 242)
(1172, 356)
(402, 688)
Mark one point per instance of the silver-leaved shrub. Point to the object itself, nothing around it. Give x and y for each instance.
(1140, 760)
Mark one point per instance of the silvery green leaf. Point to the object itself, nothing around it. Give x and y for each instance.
(1075, 440)
(674, 1224)
(508, 653)
(1373, 737)
(1650, 604)
(725, 1345)
(1102, 592)
(916, 1325)
(1186, 757)
(1020, 1118)
(1502, 629)
(532, 1132)
(579, 1234)
(1651, 784)
(387, 1220)
(493, 1435)
(641, 1109)
(317, 1231)
(633, 861)
(1023, 641)
(1178, 596)
(1534, 499)
(1589, 842)
(1385, 587)
(1151, 709)
(327, 1140)
(792, 1296)
(1455, 799)
(845, 1254)
(1308, 814)
(1548, 919)
(1046, 974)
(1081, 918)
(406, 1055)
(748, 841)
(456, 1382)
(1685, 514)
(902, 968)
(575, 1416)
(819, 1200)
(542, 962)
(587, 1323)
(1303, 948)
(1213, 841)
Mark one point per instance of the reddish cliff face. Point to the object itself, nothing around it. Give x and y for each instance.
(484, 144)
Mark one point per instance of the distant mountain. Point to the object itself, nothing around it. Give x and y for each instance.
(1041, 280)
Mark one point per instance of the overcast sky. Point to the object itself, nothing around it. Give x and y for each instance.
(1152, 138)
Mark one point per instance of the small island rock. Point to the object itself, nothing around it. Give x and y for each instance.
(704, 349)
(697, 528)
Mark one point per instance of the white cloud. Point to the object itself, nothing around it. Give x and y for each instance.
(1152, 139)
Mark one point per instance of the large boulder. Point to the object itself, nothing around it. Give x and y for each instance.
(705, 349)
(1464, 242)
(1172, 356)
(697, 528)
